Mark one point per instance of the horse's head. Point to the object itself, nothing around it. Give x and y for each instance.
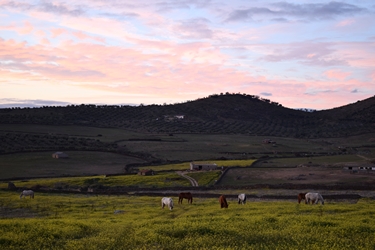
(300, 197)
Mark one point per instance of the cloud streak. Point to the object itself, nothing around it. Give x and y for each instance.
(172, 51)
(287, 11)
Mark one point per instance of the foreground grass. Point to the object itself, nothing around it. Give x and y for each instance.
(127, 222)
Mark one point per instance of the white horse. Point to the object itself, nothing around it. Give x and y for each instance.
(242, 199)
(27, 193)
(314, 198)
(167, 201)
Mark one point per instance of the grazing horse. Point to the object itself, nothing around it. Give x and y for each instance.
(301, 196)
(187, 196)
(242, 199)
(27, 193)
(223, 202)
(167, 201)
(314, 198)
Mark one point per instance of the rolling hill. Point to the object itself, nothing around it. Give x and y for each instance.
(223, 114)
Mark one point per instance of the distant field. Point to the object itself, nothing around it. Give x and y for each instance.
(296, 175)
(104, 134)
(335, 160)
(203, 146)
(79, 163)
(208, 178)
(186, 165)
(165, 179)
(238, 150)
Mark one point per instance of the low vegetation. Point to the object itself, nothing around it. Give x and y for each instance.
(186, 165)
(219, 114)
(53, 221)
(264, 143)
(206, 178)
(160, 180)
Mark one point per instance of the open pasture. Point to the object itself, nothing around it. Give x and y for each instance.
(338, 161)
(186, 165)
(325, 176)
(79, 163)
(187, 147)
(104, 134)
(164, 179)
(55, 221)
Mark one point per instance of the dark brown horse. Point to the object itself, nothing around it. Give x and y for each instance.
(187, 196)
(223, 201)
(301, 196)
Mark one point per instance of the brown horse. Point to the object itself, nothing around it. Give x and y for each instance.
(223, 201)
(301, 196)
(187, 196)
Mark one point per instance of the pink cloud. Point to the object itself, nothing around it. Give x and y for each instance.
(79, 34)
(57, 32)
(336, 74)
(166, 70)
(26, 29)
(345, 23)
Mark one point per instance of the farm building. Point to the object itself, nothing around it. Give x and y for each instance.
(146, 172)
(59, 155)
(203, 166)
(269, 141)
(368, 167)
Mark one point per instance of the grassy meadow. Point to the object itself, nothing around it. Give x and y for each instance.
(186, 165)
(57, 221)
(40, 164)
(163, 179)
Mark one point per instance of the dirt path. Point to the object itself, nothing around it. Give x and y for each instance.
(193, 182)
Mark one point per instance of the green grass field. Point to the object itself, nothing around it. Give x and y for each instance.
(164, 179)
(106, 134)
(165, 147)
(55, 221)
(186, 165)
(40, 164)
(335, 160)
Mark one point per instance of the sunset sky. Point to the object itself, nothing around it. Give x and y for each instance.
(301, 54)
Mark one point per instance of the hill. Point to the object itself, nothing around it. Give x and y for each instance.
(222, 114)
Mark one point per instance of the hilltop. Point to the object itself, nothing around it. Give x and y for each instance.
(224, 114)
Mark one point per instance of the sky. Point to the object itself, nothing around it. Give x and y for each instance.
(301, 54)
